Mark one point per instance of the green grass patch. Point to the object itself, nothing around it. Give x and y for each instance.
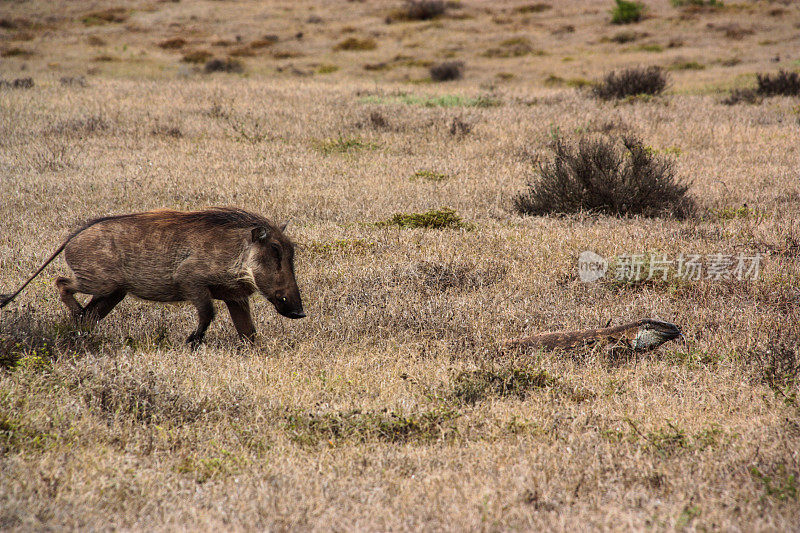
(341, 145)
(686, 65)
(443, 218)
(327, 69)
(341, 246)
(781, 485)
(429, 175)
(652, 47)
(735, 213)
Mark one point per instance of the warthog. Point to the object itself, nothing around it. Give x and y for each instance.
(170, 256)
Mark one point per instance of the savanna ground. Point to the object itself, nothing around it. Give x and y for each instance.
(390, 406)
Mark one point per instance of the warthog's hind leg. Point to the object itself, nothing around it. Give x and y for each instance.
(100, 306)
(67, 289)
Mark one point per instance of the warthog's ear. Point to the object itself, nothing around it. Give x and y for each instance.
(283, 226)
(260, 234)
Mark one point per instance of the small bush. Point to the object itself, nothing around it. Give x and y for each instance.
(626, 12)
(687, 65)
(698, 3)
(447, 71)
(15, 52)
(459, 127)
(19, 83)
(420, 10)
(94, 40)
(355, 44)
(172, 44)
(742, 96)
(472, 387)
(597, 176)
(444, 218)
(532, 8)
(223, 65)
(626, 37)
(114, 14)
(73, 81)
(196, 56)
(631, 82)
(781, 84)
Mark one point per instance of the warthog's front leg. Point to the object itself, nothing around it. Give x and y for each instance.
(242, 319)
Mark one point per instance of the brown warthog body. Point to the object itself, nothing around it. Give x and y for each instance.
(169, 256)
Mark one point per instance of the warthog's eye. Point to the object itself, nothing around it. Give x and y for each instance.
(283, 299)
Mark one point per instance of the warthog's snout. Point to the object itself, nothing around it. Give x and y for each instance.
(294, 314)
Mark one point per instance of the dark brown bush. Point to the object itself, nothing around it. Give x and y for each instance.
(631, 82)
(172, 44)
(223, 65)
(420, 10)
(598, 176)
(447, 71)
(781, 84)
(19, 83)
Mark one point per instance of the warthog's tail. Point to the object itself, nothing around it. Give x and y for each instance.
(6, 298)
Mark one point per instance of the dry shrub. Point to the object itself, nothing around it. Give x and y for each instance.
(776, 360)
(94, 40)
(735, 31)
(781, 84)
(532, 8)
(105, 16)
(172, 44)
(420, 10)
(631, 82)
(196, 56)
(447, 71)
(15, 51)
(242, 51)
(356, 44)
(433, 276)
(626, 37)
(600, 177)
(19, 83)
(73, 81)
(223, 65)
(459, 127)
(742, 96)
(80, 126)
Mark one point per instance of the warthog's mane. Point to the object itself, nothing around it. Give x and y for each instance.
(225, 217)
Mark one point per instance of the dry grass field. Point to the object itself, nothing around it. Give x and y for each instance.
(390, 407)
